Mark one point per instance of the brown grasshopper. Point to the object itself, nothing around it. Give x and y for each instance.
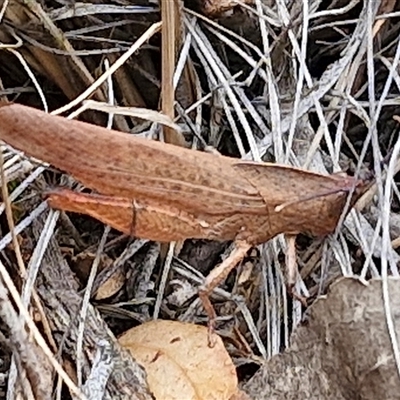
(166, 193)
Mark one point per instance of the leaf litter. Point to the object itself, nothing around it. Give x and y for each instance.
(313, 85)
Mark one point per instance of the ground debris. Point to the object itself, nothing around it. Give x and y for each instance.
(342, 351)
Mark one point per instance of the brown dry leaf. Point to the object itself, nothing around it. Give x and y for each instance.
(240, 395)
(82, 264)
(342, 352)
(179, 363)
(111, 286)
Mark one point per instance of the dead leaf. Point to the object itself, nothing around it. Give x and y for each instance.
(111, 286)
(179, 363)
(82, 264)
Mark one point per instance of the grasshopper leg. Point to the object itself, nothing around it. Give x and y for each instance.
(292, 270)
(214, 278)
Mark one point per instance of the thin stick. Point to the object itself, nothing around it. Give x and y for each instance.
(170, 22)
